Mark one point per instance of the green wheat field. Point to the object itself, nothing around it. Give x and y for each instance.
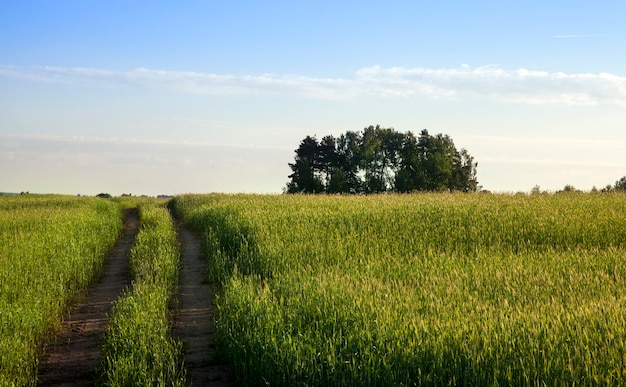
(420, 289)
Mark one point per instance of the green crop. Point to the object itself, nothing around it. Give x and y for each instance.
(139, 350)
(432, 289)
(51, 249)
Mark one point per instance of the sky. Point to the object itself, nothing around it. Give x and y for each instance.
(163, 97)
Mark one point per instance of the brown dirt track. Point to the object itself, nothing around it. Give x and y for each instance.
(195, 323)
(75, 354)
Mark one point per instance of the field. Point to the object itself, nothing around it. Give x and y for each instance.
(52, 248)
(427, 289)
(418, 289)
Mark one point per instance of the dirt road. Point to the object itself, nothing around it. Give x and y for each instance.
(75, 355)
(195, 325)
(73, 358)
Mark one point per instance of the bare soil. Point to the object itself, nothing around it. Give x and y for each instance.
(194, 324)
(72, 359)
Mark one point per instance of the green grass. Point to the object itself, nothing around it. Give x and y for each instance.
(433, 289)
(139, 350)
(52, 248)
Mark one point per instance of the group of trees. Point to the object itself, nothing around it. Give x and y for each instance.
(620, 185)
(379, 160)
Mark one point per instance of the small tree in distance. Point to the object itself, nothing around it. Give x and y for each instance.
(620, 186)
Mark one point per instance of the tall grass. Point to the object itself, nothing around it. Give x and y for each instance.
(51, 249)
(418, 289)
(139, 350)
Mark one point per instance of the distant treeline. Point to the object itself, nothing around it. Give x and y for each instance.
(379, 160)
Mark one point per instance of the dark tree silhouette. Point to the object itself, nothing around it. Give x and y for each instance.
(349, 151)
(464, 172)
(306, 168)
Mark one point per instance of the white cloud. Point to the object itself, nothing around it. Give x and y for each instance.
(491, 82)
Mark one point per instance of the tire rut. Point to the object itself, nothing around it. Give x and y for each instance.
(195, 325)
(73, 358)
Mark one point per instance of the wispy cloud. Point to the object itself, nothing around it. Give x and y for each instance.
(492, 82)
(576, 36)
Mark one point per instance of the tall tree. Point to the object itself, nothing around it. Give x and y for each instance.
(370, 158)
(464, 172)
(380, 157)
(328, 158)
(349, 154)
(390, 156)
(410, 176)
(306, 176)
(441, 162)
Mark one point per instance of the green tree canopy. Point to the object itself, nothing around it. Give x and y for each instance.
(381, 160)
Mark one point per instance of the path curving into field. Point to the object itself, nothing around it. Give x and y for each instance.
(195, 325)
(73, 358)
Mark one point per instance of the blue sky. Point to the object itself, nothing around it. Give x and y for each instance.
(155, 97)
